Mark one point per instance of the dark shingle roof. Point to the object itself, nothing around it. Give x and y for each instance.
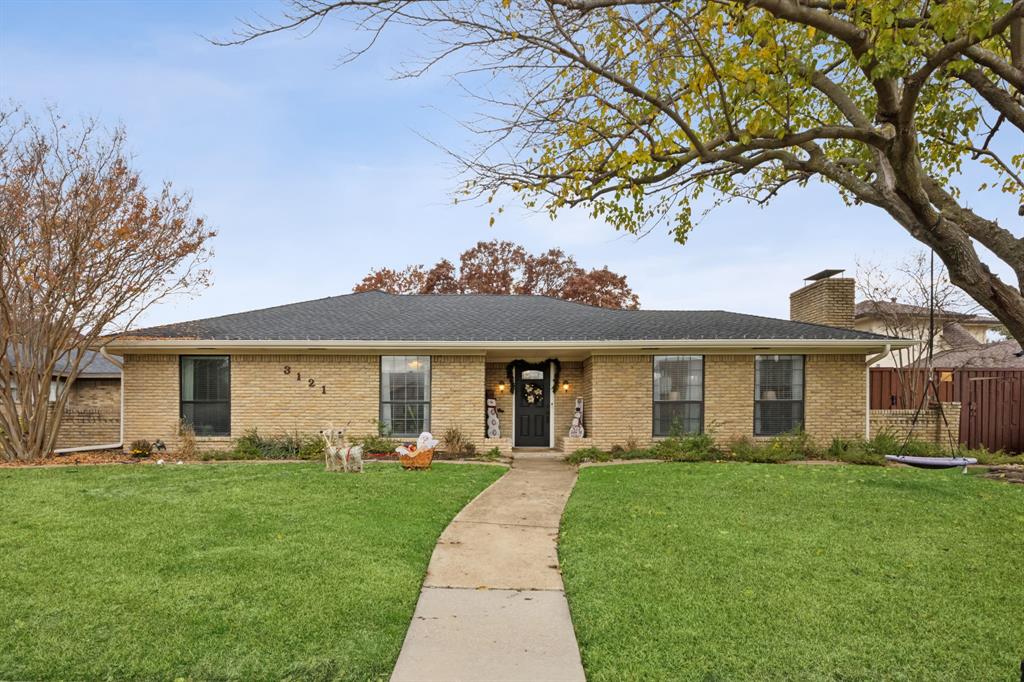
(93, 365)
(378, 316)
(995, 355)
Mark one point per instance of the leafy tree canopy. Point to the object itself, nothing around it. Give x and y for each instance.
(502, 267)
(637, 109)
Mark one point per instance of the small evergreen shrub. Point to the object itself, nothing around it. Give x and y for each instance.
(491, 455)
(693, 447)
(375, 444)
(252, 445)
(311, 447)
(992, 458)
(590, 454)
(853, 452)
(746, 449)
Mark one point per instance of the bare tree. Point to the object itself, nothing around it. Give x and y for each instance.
(638, 108)
(907, 305)
(84, 249)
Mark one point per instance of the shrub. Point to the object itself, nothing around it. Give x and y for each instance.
(793, 445)
(251, 445)
(853, 452)
(220, 455)
(140, 448)
(375, 444)
(187, 447)
(746, 449)
(312, 447)
(885, 443)
(694, 447)
(492, 454)
(590, 454)
(999, 457)
(456, 444)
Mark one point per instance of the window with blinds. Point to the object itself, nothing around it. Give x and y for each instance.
(405, 394)
(778, 394)
(678, 394)
(206, 394)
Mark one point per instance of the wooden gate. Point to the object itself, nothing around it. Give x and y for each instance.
(991, 402)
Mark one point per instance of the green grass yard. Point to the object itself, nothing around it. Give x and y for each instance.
(767, 572)
(218, 571)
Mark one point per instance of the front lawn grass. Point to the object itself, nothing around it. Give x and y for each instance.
(230, 571)
(761, 572)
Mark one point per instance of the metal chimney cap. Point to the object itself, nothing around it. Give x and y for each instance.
(824, 274)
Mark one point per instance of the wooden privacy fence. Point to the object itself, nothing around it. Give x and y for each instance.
(991, 401)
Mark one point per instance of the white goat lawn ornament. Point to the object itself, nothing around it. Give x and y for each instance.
(341, 457)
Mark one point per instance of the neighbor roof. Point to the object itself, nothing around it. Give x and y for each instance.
(995, 355)
(877, 308)
(93, 365)
(378, 316)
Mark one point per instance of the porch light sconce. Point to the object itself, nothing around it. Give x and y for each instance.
(501, 387)
(565, 387)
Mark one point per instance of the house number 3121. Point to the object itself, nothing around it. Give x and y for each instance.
(309, 382)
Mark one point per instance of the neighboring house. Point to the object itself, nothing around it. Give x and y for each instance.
(92, 413)
(968, 353)
(911, 321)
(428, 362)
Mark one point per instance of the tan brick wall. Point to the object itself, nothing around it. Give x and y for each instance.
(264, 397)
(495, 375)
(565, 401)
(729, 396)
(620, 406)
(929, 428)
(827, 301)
(835, 395)
(151, 405)
(92, 414)
(457, 395)
(617, 390)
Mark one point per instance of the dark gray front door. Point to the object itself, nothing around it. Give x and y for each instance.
(533, 407)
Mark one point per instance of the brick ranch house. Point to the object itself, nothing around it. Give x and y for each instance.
(92, 412)
(428, 362)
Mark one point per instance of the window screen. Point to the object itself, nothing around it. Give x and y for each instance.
(405, 394)
(778, 394)
(206, 394)
(678, 394)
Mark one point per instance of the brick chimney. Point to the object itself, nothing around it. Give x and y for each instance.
(827, 299)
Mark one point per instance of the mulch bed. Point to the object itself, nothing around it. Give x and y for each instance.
(118, 457)
(76, 458)
(1011, 473)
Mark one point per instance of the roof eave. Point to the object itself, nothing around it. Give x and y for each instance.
(868, 345)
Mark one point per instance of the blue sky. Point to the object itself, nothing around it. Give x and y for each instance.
(313, 173)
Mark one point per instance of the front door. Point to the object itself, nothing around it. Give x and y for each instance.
(533, 407)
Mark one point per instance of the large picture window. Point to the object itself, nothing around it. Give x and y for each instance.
(206, 394)
(405, 394)
(778, 394)
(678, 394)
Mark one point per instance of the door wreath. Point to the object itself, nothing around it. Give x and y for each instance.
(533, 394)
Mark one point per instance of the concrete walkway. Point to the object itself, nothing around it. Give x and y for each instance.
(492, 605)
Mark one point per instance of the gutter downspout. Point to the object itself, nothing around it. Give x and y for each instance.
(106, 446)
(867, 385)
